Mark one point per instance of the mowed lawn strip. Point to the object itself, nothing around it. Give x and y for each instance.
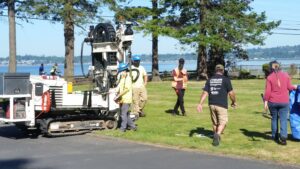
(248, 133)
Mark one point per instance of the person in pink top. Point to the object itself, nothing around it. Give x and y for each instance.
(278, 85)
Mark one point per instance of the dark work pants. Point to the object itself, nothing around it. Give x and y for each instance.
(180, 101)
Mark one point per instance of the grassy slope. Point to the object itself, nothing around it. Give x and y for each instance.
(247, 133)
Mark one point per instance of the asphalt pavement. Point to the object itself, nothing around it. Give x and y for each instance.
(18, 151)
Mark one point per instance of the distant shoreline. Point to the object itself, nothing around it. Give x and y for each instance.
(170, 61)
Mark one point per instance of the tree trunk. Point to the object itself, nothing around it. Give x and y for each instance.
(155, 69)
(212, 61)
(69, 46)
(201, 63)
(216, 56)
(12, 36)
(201, 59)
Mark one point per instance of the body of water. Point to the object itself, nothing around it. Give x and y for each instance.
(34, 69)
(163, 66)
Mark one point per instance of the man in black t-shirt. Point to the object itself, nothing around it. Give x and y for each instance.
(217, 88)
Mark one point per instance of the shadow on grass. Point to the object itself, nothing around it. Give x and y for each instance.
(257, 112)
(264, 114)
(266, 135)
(201, 131)
(291, 138)
(170, 111)
(254, 135)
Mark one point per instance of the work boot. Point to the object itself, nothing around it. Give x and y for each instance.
(134, 117)
(132, 128)
(216, 140)
(174, 112)
(122, 130)
(276, 138)
(142, 114)
(282, 141)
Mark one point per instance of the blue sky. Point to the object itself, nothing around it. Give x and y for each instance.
(45, 38)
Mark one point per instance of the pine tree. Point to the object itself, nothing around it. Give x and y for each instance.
(150, 20)
(216, 27)
(71, 13)
(14, 8)
(19, 9)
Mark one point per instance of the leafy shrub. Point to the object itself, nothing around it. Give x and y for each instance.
(266, 69)
(293, 70)
(244, 74)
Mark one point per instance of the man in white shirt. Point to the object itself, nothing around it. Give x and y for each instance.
(139, 78)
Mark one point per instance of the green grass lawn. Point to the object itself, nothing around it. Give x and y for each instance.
(247, 133)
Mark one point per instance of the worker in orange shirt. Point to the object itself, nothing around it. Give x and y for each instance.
(179, 83)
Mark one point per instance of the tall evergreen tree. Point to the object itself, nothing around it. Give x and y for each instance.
(15, 8)
(71, 13)
(151, 22)
(10, 4)
(216, 27)
(188, 22)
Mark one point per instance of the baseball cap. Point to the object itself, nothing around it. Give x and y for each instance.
(181, 60)
(219, 67)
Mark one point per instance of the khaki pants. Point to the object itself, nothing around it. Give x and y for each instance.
(139, 99)
(218, 114)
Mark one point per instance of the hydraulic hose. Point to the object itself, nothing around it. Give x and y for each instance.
(137, 75)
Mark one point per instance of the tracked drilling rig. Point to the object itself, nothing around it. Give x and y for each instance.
(46, 104)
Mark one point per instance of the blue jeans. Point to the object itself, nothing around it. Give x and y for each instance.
(279, 111)
(125, 117)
